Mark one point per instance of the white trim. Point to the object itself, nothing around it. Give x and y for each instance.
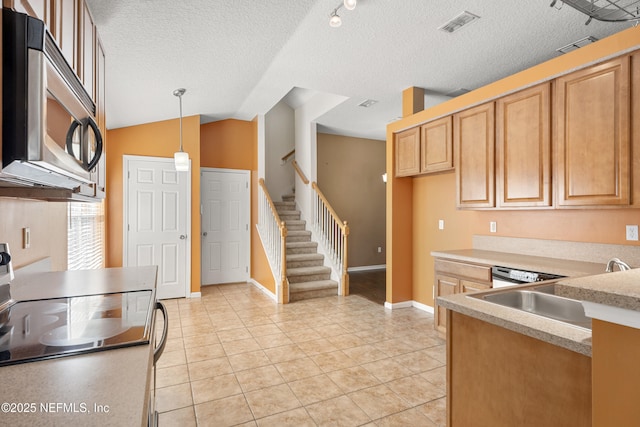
(621, 316)
(408, 304)
(367, 268)
(263, 289)
(195, 295)
(126, 158)
(247, 238)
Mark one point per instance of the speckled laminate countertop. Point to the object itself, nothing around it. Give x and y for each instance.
(619, 289)
(108, 388)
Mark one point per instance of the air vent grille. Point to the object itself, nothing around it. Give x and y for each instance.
(458, 22)
(577, 44)
(367, 103)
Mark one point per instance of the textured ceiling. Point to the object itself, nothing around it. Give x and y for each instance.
(239, 58)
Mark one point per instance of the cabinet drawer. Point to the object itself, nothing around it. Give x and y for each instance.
(477, 272)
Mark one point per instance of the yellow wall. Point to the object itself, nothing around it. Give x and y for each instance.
(414, 205)
(159, 139)
(233, 144)
(48, 224)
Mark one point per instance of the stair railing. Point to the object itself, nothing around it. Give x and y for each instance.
(333, 234)
(273, 233)
(301, 174)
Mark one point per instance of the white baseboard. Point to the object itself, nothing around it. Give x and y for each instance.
(408, 304)
(195, 295)
(367, 268)
(263, 289)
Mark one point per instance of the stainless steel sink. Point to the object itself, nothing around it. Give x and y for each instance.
(542, 302)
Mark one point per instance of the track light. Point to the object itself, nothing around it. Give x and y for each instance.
(334, 20)
(350, 4)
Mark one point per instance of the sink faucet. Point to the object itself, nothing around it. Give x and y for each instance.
(616, 261)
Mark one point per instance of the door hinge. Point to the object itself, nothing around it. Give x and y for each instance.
(246, 269)
(246, 185)
(128, 174)
(247, 227)
(128, 227)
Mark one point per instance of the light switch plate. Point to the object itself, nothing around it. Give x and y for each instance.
(441, 224)
(632, 232)
(493, 226)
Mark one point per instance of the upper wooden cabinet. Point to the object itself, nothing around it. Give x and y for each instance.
(436, 146)
(41, 9)
(408, 152)
(523, 148)
(65, 29)
(474, 142)
(592, 135)
(87, 49)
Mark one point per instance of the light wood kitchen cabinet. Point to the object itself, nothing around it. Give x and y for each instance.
(407, 144)
(523, 148)
(592, 136)
(87, 43)
(454, 277)
(474, 142)
(65, 29)
(436, 145)
(100, 66)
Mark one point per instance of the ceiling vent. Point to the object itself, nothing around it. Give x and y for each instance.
(576, 44)
(458, 22)
(367, 103)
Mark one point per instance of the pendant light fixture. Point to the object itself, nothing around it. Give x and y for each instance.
(350, 4)
(181, 158)
(334, 19)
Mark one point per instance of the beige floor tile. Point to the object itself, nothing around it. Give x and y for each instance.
(195, 320)
(415, 390)
(410, 417)
(235, 334)
(229, 411)
(297, 369)
(240, 346)
(330, 330)
(340, 411)
(200, 340)
(364, 353)
(262, 330)
(274, 340)
(438, 352)
(184, 417)
(387, 370)
(215, 388)
(172, 375)
(353, 379)
(394, 347)
(437, 377)
(257, 378)
(418, 361)
(173, 397)
(345, 341)
(333, 361)
(314, 389)
(436, 411)
(171, 358)
(195, 330)
(317, 346)
(209, 368)
(218, 325)
(172, 344)
(271, 400)
(296, 417)
(378, 401)
(284, 353)
(197, 354)
(252, 359)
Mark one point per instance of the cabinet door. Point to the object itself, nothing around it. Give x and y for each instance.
(408, 152)
(467, 286)
(523, 148)
(40, 9)
(100, 177)
(445, 285)
(592, 135)
(474, 141)
(65, 30)
(87, 48)
(436, 145)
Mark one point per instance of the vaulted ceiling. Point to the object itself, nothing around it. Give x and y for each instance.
(239, 58)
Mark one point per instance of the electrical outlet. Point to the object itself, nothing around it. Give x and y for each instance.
(441, 224)
(493, 226)
(379, 249)
(26, 238)
(632, 232)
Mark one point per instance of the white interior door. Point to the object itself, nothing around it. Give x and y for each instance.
(225, 225)
(156, 221)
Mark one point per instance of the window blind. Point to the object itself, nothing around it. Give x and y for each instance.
(85, 236)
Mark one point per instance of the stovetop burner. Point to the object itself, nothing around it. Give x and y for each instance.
(42, 329)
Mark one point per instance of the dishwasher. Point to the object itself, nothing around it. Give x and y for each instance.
(506, 276)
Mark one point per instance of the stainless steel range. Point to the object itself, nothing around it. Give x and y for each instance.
(42, 329)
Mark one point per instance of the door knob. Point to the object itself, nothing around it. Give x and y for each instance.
(205, 234)
(183, 236)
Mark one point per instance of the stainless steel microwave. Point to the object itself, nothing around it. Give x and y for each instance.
(49, 135)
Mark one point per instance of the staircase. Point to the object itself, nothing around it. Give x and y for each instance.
(307, 274)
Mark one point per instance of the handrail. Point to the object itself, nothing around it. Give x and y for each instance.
(333, 234)
(299, 172)
(289, 154)
(273, 233)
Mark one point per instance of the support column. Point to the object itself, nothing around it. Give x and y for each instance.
(412, 100)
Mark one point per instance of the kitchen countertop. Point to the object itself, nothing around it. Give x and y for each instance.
(620, 289)
(104, 388)
(555, 265)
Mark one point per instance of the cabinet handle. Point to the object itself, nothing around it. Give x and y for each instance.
(165, 330)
